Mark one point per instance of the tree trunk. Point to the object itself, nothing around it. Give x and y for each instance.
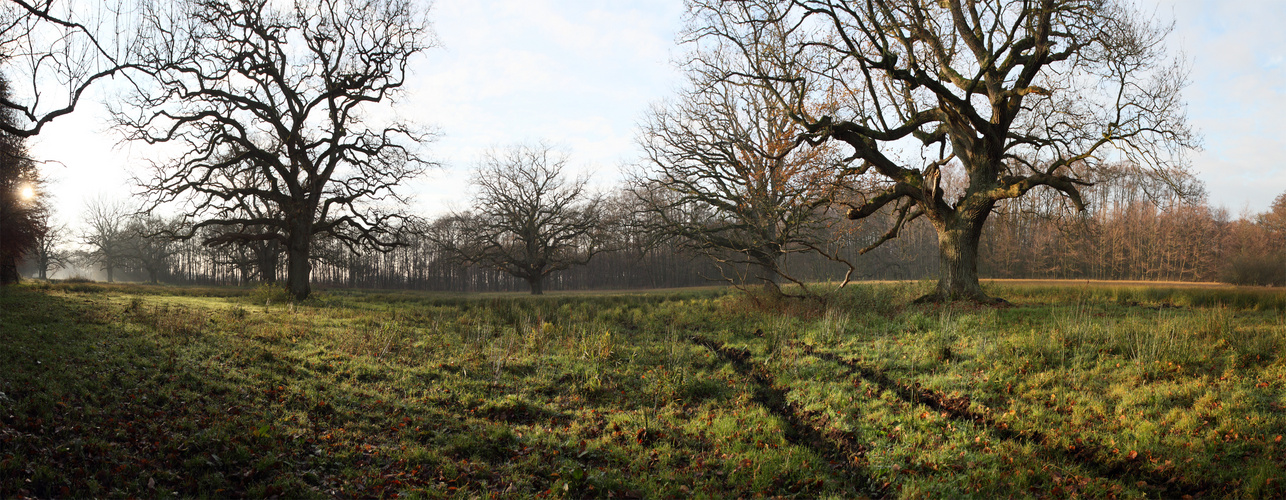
(958, 239)
(8, 270)
(267, 256)
(299, 268)
(766, 274)
(537, 285)
(111, 274)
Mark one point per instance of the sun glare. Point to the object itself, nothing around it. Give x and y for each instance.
(27, 192)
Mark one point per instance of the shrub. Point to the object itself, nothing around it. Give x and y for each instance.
(270, 293)
(1256, 270)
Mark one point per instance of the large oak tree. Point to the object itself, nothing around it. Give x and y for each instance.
(284, 94)
(1021, 94)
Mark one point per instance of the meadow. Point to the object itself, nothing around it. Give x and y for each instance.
(120, 391)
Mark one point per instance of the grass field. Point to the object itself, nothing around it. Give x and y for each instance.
(1095, 391)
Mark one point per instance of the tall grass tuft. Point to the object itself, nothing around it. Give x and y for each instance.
(269, 294)
(778, 331)
(833, 325)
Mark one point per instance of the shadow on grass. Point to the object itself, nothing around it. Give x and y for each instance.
(99, 401)
(958, 409)
(842, 455)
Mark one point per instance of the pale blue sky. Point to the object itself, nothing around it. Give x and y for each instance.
(1238, 96)
(580, 74)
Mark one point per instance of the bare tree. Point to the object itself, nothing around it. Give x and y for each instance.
(50, 252)
(1022, 94)
(56, 50)
(105, 234)
(149, 244)
(255, 259)
(528, 220)
(244, 245)
(725, 175)
(249, 90)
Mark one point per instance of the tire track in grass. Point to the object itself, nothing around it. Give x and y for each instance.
(798, 429)
(958, 409)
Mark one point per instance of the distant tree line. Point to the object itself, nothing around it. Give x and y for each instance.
(814, 141)
(1133, 228)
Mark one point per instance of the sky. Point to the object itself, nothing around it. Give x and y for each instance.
(580, 74)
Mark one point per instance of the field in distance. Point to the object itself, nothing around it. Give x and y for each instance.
(1125, 390)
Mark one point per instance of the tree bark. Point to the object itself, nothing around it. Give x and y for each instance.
(271, 253)
(268, 255)
(958, 238)
(299, 268)
(766, 274)
(537, 285)
(8, 270)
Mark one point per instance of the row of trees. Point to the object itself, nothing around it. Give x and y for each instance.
(1131, 229)
(114, 239)
(532, 227)
(795, 110)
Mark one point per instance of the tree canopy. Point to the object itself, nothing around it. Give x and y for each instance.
(725, 175)
(1021, 94)
(273, 111)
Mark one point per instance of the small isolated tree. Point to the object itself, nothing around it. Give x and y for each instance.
(528, 219)
(268, 102)
(1021, 94)
(725, 175)
(105, 236)
(50, 252)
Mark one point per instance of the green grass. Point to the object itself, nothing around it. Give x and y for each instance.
(143, 391)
